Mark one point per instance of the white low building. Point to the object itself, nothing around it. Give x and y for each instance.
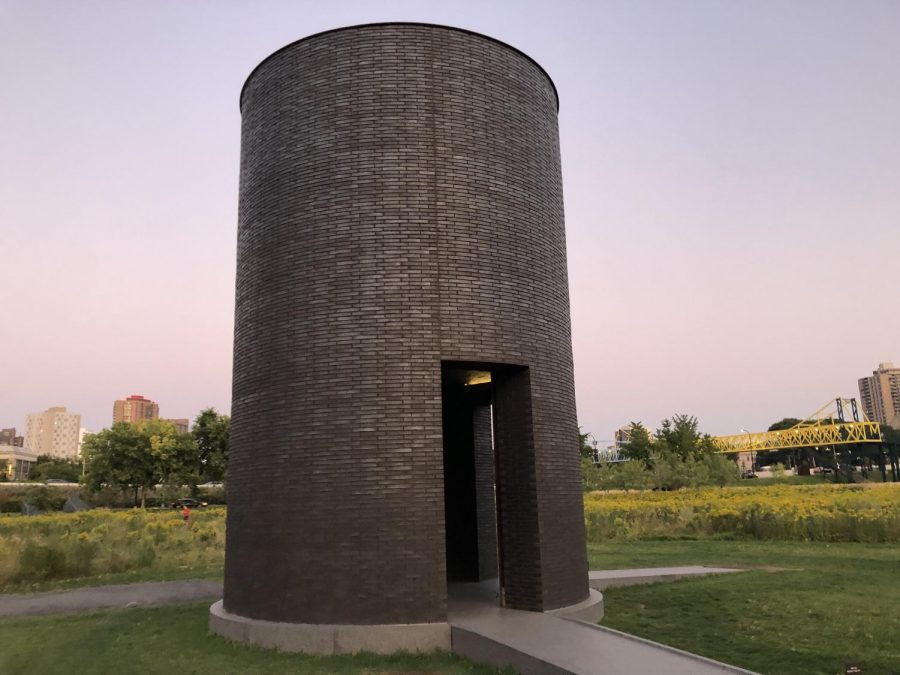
(16, 462)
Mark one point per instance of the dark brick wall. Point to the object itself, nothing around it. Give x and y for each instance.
(400, 205)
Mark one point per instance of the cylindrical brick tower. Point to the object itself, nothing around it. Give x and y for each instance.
(400, 227)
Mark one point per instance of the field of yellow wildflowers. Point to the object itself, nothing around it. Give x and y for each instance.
(73, 545)
(776, 512)
(63, 546)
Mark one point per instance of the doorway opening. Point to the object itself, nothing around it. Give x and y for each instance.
(490, 500)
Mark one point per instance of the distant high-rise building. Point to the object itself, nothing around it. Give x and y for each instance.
(135, 408)
(53, 432)
(8, 437)
(181, 424)
(880, 395)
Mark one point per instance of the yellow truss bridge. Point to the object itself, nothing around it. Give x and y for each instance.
(825, 427)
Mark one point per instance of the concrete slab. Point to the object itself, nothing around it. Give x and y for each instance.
(590, 610)
(535, 644)
(601, 579)
(328, 639)
(561, 641)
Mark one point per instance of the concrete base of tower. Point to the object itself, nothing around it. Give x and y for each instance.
(325, 639)
(589, 610)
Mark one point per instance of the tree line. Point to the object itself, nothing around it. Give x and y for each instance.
(679, 455)
(676, 455)
(141, 455)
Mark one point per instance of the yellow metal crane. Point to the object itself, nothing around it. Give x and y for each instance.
(827, 426)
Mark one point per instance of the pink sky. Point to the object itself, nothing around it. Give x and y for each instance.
(731, 172)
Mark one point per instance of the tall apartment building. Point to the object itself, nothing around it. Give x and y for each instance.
(53, 432)
(135, 408)
(880, 395)
(8, 437)
(182, 425)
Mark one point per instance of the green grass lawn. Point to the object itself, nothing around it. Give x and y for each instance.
(174, 640)
(836, 604)
(213, 572)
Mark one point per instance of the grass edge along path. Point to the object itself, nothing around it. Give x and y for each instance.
(165, 640)
(835, 604)
(213, 572)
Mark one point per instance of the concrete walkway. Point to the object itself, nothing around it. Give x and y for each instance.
(550, 644)
(650, 575)
(97, 598)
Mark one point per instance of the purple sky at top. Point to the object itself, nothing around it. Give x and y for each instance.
(731, 174)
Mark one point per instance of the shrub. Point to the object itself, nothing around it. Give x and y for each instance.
(100, 541)
(44, 498)
(666, 471)
(11, 506)
(590, 476)
(80, 557)
(40, 561)
(629, 475)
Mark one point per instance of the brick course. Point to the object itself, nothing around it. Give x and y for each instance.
(400, 206)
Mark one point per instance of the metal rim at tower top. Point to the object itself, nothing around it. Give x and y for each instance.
(400, 228)
(396, 23)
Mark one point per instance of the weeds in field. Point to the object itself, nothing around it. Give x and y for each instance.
(66, 546)
(777, 512)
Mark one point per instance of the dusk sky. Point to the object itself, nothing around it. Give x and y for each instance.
(731, 174)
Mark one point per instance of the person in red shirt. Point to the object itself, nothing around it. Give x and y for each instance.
(186, 514)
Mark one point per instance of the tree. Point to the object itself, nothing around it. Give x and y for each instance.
(211, 432)
(590, 475)
(786, 423)
(174, 453)
(47, 466)
(139, 456)
(890, 435)
(639, 445)
(790, 457)
(680, 436)
(678, 456)
(115, 457)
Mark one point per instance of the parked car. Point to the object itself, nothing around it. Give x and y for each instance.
(189, 502)
(749, 474)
